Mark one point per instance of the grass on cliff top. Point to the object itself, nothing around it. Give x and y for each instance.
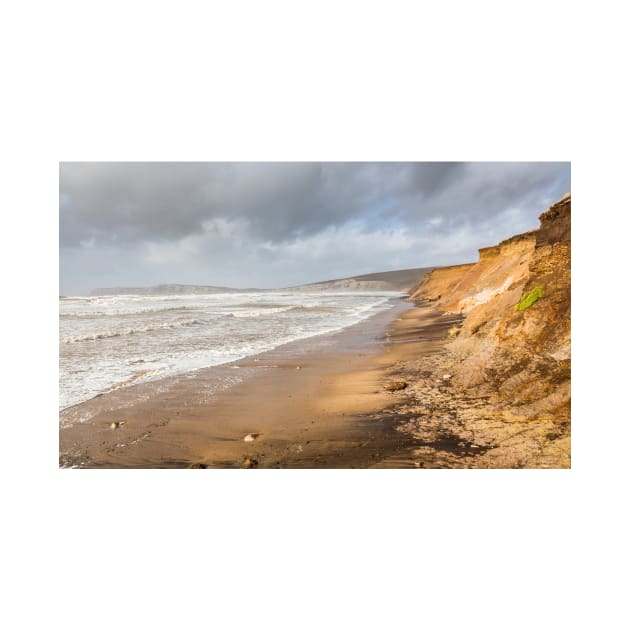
(526, 301)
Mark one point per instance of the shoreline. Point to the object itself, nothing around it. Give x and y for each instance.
(306, 417)
(319, 403)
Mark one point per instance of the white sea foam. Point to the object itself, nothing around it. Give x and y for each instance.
(108, 342)
(129, 331)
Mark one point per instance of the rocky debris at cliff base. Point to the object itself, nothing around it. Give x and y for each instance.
(458, 428)
(396, 386)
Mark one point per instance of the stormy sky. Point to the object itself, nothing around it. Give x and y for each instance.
(281, 224)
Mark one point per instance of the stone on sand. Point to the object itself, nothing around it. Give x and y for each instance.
(396, 386)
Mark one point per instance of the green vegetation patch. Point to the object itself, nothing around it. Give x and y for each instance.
(533, 296)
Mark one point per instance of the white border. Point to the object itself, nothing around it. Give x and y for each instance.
(315, 81)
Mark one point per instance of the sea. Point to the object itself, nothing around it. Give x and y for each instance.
(114, 341)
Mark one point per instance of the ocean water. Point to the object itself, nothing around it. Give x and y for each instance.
(109, 342)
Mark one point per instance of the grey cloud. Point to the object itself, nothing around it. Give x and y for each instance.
(128, 201)
(118, 202)
(429, 178)
(143, 201)
(477, 191)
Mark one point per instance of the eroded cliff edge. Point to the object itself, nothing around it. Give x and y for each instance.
(499, 394)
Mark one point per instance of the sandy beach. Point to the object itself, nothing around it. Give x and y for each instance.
(318, 403)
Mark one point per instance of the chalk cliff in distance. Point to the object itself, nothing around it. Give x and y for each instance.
(401, 280)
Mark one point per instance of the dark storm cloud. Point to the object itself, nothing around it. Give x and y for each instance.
(118, 202)
(128, 201)
(478, 191)
(430, 177)
(274, 224)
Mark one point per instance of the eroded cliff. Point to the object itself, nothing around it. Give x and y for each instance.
(508, 360)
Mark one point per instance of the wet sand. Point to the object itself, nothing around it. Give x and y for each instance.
(318, 403)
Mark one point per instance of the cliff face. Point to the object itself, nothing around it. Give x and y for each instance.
(501, 270)
(521, 356)
(513, 348)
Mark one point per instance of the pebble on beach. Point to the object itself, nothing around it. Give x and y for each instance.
(396, 386)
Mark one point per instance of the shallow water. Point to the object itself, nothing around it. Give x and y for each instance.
(110, 342)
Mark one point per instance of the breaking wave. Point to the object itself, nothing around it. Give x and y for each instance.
(130, 331)
(113, 342)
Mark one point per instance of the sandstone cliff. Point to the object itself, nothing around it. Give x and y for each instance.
(509, 357)
(521, 355)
